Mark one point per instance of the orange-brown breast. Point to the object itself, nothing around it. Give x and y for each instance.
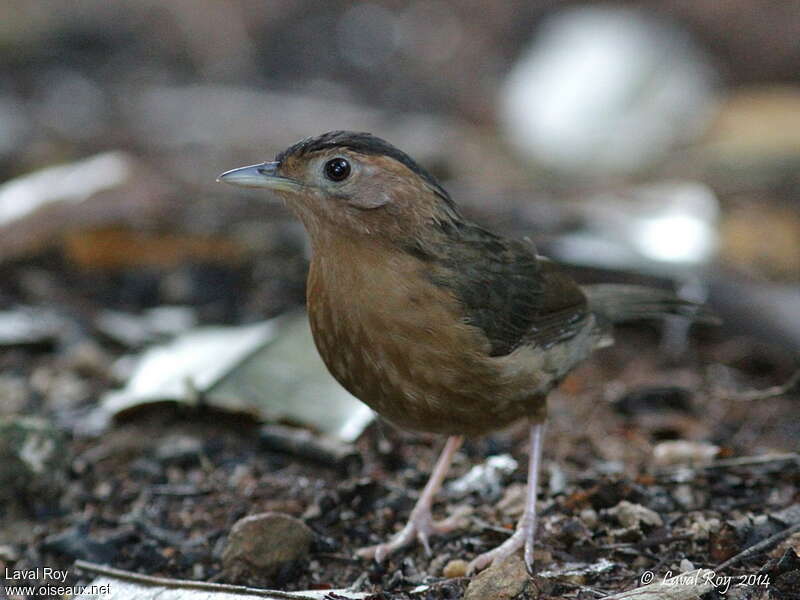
(397, 342)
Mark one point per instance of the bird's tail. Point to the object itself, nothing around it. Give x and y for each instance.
(619, 303)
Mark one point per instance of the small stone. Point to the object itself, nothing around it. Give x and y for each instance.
(14, 394)
(632, 516)
(62, 389)
(684, 452)
(501, 581)
(558, 480)
(179, 449)
(589, 517)
(103, 490)
(455, 568)
(484, 479)
(263, 543)
(702, 528)
(684, 495)
(8, 553)
(88, 358)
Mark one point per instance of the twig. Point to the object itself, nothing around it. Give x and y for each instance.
(185, 583)
(333, 556)
(759, 547)
(580, 587)
(486, 526)
(647, 542)
(728, 463)
(744, 461)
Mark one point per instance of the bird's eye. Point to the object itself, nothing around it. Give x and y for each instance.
(337, 169)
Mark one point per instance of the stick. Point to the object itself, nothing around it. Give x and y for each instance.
(185, 583)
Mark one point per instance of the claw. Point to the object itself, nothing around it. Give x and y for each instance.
(420, 524)
(420, 527)
(423, 539)
(503, 551)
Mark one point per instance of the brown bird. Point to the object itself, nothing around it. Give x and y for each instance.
(436, 323)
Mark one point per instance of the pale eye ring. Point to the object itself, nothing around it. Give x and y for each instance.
(337, 169)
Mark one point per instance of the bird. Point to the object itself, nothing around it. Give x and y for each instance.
(434, 322)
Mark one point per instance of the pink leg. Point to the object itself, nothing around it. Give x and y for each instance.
(421, 524)
(525, 533)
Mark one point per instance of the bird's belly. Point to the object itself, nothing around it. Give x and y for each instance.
(424, 372)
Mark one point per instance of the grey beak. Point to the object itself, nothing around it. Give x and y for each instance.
(264, 175)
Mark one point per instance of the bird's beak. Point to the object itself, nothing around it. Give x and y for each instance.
(264, 175)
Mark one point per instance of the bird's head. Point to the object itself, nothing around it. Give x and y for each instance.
(346, 183)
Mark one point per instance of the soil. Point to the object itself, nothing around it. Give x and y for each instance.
(158, 493)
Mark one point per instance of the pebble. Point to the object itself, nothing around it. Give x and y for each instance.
(455, 568)
(589, 517)
(685, 496)
(179, 449)
(14, 394)
(264, 543)
(702, 528)
(632, 516)
(684, 452)
(484, 479)
(501, 581)
(8, 553)
(88, 358)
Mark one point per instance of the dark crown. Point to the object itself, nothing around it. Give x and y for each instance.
(364, 143)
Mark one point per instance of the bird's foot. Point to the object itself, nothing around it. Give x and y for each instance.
(420, 526)
(523, 537)
(525, 533)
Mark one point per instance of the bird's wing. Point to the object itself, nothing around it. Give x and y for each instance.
(512, 295)
(564, 309)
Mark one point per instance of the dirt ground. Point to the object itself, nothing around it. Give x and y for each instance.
(159, 492)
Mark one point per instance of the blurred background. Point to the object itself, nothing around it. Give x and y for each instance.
(634, 141)
(658, 137)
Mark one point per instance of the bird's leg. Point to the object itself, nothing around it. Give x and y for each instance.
(420, 523)
(525, 533)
